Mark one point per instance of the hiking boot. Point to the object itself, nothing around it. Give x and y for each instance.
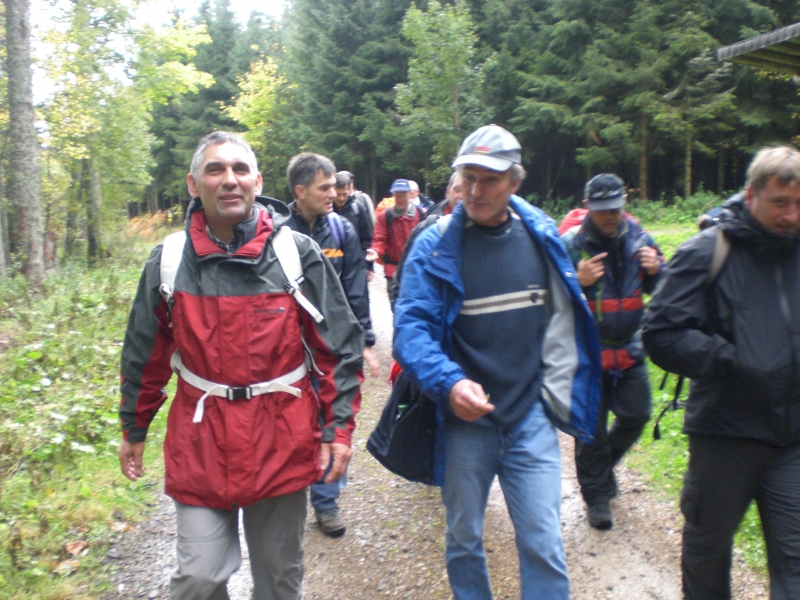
(614, 487)
(600, 516)
(330, 522)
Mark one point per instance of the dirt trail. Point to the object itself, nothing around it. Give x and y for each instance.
(395, 537)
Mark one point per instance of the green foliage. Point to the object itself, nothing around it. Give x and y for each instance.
(263, 106)
(681, 211)
(442, 101)
(345, 58)
(98, 120)
(59, 431)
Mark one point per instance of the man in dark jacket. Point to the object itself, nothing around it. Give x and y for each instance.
(738, 338)
(616, 262)
(231, 329)
(313, 183)
(346, 204)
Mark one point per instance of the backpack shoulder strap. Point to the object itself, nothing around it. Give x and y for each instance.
(722, 247)
(337, 228)
(289, 258)
(443, 223)
(390, 212)
(171, 255)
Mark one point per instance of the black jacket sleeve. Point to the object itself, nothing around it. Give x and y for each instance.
(677, 331)
(354, 281)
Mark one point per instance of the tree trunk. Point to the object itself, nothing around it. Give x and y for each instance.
(548, 177)
(93, 202)
(73, 206)
(644, 158)
(687, 166)
(721, 171)
(372, 182)
(23, 180)
(3, 240)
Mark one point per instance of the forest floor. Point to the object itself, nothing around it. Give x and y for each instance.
(394, 543)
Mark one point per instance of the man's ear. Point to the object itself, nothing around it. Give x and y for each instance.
(259, 184)
(516, 186)
(748, 196)
(192, 185)
(300, 191)
(585, 203)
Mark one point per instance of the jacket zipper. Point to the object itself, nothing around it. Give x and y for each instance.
(787, 314)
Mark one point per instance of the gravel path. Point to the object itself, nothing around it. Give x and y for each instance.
(395, 537)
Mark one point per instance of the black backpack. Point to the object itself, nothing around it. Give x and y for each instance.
(403, 438)
(722, 247)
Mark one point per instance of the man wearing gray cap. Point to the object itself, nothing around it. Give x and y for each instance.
(491, 323)
(616, 261)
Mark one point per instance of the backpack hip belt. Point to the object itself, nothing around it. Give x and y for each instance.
(233, 393)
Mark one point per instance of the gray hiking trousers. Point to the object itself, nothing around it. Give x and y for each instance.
(209, 553)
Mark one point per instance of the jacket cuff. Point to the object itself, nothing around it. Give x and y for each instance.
(135, 434)
(725, 360)
(448, 384)
(342, 436)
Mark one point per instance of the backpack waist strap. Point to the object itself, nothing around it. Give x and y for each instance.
(232, 393)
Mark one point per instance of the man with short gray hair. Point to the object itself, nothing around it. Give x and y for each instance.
(492, 325)
(726, 315)
(246, 430)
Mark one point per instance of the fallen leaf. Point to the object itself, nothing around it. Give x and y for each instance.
(77, 548)
(66, 567)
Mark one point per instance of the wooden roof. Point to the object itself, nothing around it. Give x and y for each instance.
(777, 50)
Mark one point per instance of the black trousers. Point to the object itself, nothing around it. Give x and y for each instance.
(627, 395)
(391, 290)
(724, 475)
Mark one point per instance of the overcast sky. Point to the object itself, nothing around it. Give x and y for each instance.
(155, 13)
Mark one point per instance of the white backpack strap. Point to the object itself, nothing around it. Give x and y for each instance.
(443, 223)
(289, 259)
(171, 255)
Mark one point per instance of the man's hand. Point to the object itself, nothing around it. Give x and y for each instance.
(370, 275)
(648, 259)
(340, 454)
(372, 362)
(468, 400)
(130, 459)
(372, 255)
(589, 271)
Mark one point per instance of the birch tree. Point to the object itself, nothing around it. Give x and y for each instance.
(23, 176)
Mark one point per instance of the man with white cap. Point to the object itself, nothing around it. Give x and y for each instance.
(617, 262)
(491, 323)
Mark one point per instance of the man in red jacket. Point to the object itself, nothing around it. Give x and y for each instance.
(244, 428)
(392, 228)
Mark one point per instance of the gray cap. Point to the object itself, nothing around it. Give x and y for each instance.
(492, 147)
(605, 192)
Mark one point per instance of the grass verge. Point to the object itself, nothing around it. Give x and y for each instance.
(62, 496)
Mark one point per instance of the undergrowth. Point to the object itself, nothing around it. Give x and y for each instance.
(62, 496)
